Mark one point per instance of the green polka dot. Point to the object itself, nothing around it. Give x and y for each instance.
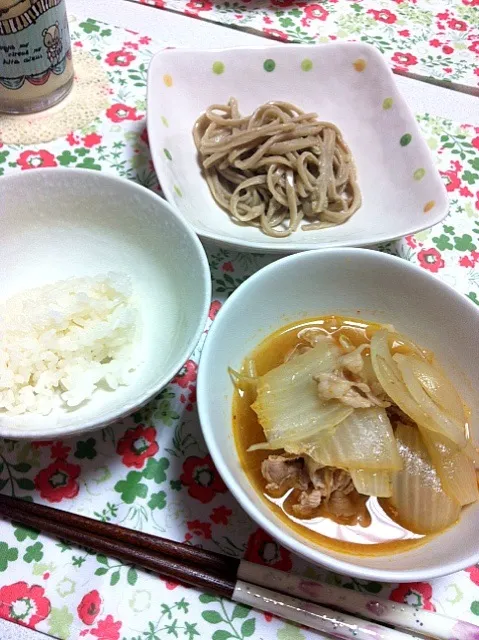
(387, 103)
(218, 67)
(269, 65)
(307, 64)
(177, 190)
(167, 154)
(164, 121)
(419, 174)
(405, 139)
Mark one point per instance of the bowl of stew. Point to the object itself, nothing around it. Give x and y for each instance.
(344, 418)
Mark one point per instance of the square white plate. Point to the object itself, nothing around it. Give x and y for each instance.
(348, 84)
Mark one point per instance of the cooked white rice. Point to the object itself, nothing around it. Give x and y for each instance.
(59, 342)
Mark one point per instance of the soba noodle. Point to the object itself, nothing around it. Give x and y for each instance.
(277, 168)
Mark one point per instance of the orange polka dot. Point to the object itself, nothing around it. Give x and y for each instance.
(428, 206)
(359, 64)
(168, 80)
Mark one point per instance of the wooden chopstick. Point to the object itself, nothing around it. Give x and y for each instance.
(34, 515)
(80, 531)
(298, 599)
(215, 562)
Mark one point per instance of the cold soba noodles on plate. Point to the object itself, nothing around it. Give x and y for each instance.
(353, 435)
(279, 169)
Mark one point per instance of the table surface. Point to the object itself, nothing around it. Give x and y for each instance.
(12, 631)
(187, 32)
(436, 39)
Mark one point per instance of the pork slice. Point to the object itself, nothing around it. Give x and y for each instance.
(314, 335)
(353, 361)
(329, 485)
(329, 479)
(334, 386)
(342, 505)
(307, 503)
(281, 472)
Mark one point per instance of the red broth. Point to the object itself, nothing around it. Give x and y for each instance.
(376, 533)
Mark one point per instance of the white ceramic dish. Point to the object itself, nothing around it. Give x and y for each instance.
(72, 222)
(364, 284)
(349, 84)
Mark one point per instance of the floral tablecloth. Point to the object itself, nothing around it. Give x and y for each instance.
(152, 471)
(435, 38)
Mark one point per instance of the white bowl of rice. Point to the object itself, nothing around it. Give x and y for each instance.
(104, 293)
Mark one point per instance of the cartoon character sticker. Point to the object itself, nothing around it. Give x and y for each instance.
(53, 43)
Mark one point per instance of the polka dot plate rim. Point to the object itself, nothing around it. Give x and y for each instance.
(347, 83)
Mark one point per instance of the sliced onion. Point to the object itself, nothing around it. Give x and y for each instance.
(242, 381)
(401, 340)
(372, 483)
(368, 375)
(250, 367)
(439, 388)
(364, 440)
(346, 343)
(455, 469)
(439, 421)
(419, 407)
(472, 453)
(265, 446)
(390, 379)
(417, 495)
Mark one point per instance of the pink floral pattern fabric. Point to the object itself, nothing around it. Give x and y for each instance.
(152, 471)
(436, 38)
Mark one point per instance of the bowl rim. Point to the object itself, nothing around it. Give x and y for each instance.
(202, 274)
(316, 556)
(237, 243)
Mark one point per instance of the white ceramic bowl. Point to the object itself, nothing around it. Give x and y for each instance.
(349, 84)
(364, 284)
(59, 223)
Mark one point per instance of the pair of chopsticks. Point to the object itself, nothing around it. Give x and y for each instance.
(293, 598)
